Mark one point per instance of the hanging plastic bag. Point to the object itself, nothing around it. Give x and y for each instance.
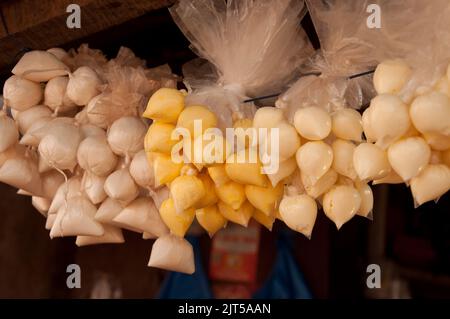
(112, 235)
(348, 48)
(128, 86)
(22, 173)
(8, 132)
(27, 118)
(253, 49)
(39, 66)
(76, 218)
(181, 286)
(85, 56)
(173, 253)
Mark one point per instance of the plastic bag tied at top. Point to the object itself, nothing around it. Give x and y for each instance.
(350, 47)
(252, 47)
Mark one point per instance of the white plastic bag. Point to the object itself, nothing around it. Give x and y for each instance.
(85, 56)
(43, 127)
(159, 195)
(108, 210)
(8, 132)
(67, 190)
(21, 94)
(349, 47)
(60, 53)
(41, 204)
(120, 186)
(51, 181)
(76, 218)
(173, 253)
(39, 66)
(22, 172)
(95, 155)
(55, 94)
(141, 215)
(112, 235)
(83, 85)
(15, 151)
(126, 136)
(27, 118)
(59, 147)
(141, 170)
(93, 187)
(125, 94)
(29, 138)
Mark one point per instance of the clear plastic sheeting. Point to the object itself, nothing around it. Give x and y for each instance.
(253, 48)
(350, 47)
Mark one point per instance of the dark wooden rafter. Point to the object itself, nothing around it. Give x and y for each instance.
(32, 24)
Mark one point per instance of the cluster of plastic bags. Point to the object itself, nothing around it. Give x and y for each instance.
(75, 141)
(93, 167)
(329, 150)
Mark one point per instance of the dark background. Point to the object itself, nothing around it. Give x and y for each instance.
(411, 245)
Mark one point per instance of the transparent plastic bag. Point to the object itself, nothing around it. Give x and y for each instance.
(349, 47)
(127, 90)
(427, 53)
(85, 56)
(253, 49)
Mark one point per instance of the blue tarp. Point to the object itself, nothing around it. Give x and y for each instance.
(285, 280)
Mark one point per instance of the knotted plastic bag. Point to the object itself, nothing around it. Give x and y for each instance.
(348, 47)
(253, 48)
(128, 84)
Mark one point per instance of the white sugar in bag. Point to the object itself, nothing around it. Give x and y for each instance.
(146, 235)
(112, 235)
(28, 138)
(141, 170)
(67, 190)
(173, 253)
(51, 181)
(43, 166)
(27, 118)
(15, 151)
(142, 216)
(23, 193)
(59, 147)
(107, 211)
(50, 221)
(76, 218)
(41, 204)
(60, 53)
(95, 156)
(39, 66)
(431, 183)
(92, 186)
(55, 94)
(21, 94)
(83, 85)
(8, 132)
(38, 131)
(22, 173)
(90, 130)
(126, 136)
(120, 186)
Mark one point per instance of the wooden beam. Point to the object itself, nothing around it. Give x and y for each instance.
(41, 24)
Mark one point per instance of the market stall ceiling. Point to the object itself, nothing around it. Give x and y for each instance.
(41, 24)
